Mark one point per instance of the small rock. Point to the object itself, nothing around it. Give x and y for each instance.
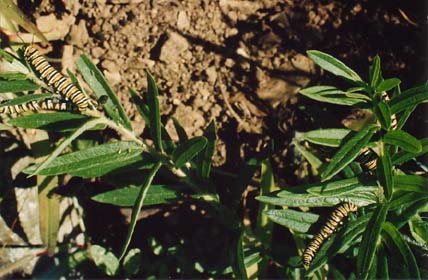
(173, 47)
(58, 28)
(97, 52)
(113, 77)
(211, 73)
(229, 63)
(78, 34)
(183, 22)
(67, 60)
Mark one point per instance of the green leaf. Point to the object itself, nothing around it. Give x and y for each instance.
(329, 94)
(157, 194)
(295, 220)
(99, 85)
(336, 188)
(370, 239)
(264, 226)
(388, 84)
(139, 202)
(403, 156)
(348, 152)
(25, 99)
(104, 260)
(383, 114)
(403, 116)
(403, 140)
(409, 98)
(55, 121)
(403, 248)
(132, 262)
(334, 66)
(96, 161)
(311, 158)
(17, 86)
(384, 174)
(331, 137)
(204, 168)
(182, 135)
(240, 258)
(86, 126)
(13, 75)
(375, 75)
(411, 183)
(360, 196)
(153, 102)
(400, 198)
(142, 108)
(188, 150)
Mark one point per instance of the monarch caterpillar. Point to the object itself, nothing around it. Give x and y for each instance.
(368, 157)
(47, 104)
(335, 219)
(61, 84)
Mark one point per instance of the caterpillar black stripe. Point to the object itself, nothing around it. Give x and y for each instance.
(47, 104)
(52, 77)
(336, 218)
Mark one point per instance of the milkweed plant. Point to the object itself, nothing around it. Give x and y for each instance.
(383, 239)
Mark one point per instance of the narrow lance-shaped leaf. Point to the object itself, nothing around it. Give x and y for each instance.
(26, 98)
(139, 202)
(383, 114)
(329, 94)
(330, 137)
(375, 75)
(204, 167)
(292, 219)
(403, 140)
(334, 66)
(348, 152)
(411, 183)
(58, 121)
(403, 248)
(408, 98)
(157, 194)
(100, 87)
(188, 150)
(96, 161)
(142, 108)
(369, 243)
(153, 103)
(17, 86)
(182, 135)
(403, 156)
(88, 125)
(384, 174)
(388, 84)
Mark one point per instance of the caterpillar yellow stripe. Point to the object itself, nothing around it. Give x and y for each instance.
(52, 77)
(336, 218)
